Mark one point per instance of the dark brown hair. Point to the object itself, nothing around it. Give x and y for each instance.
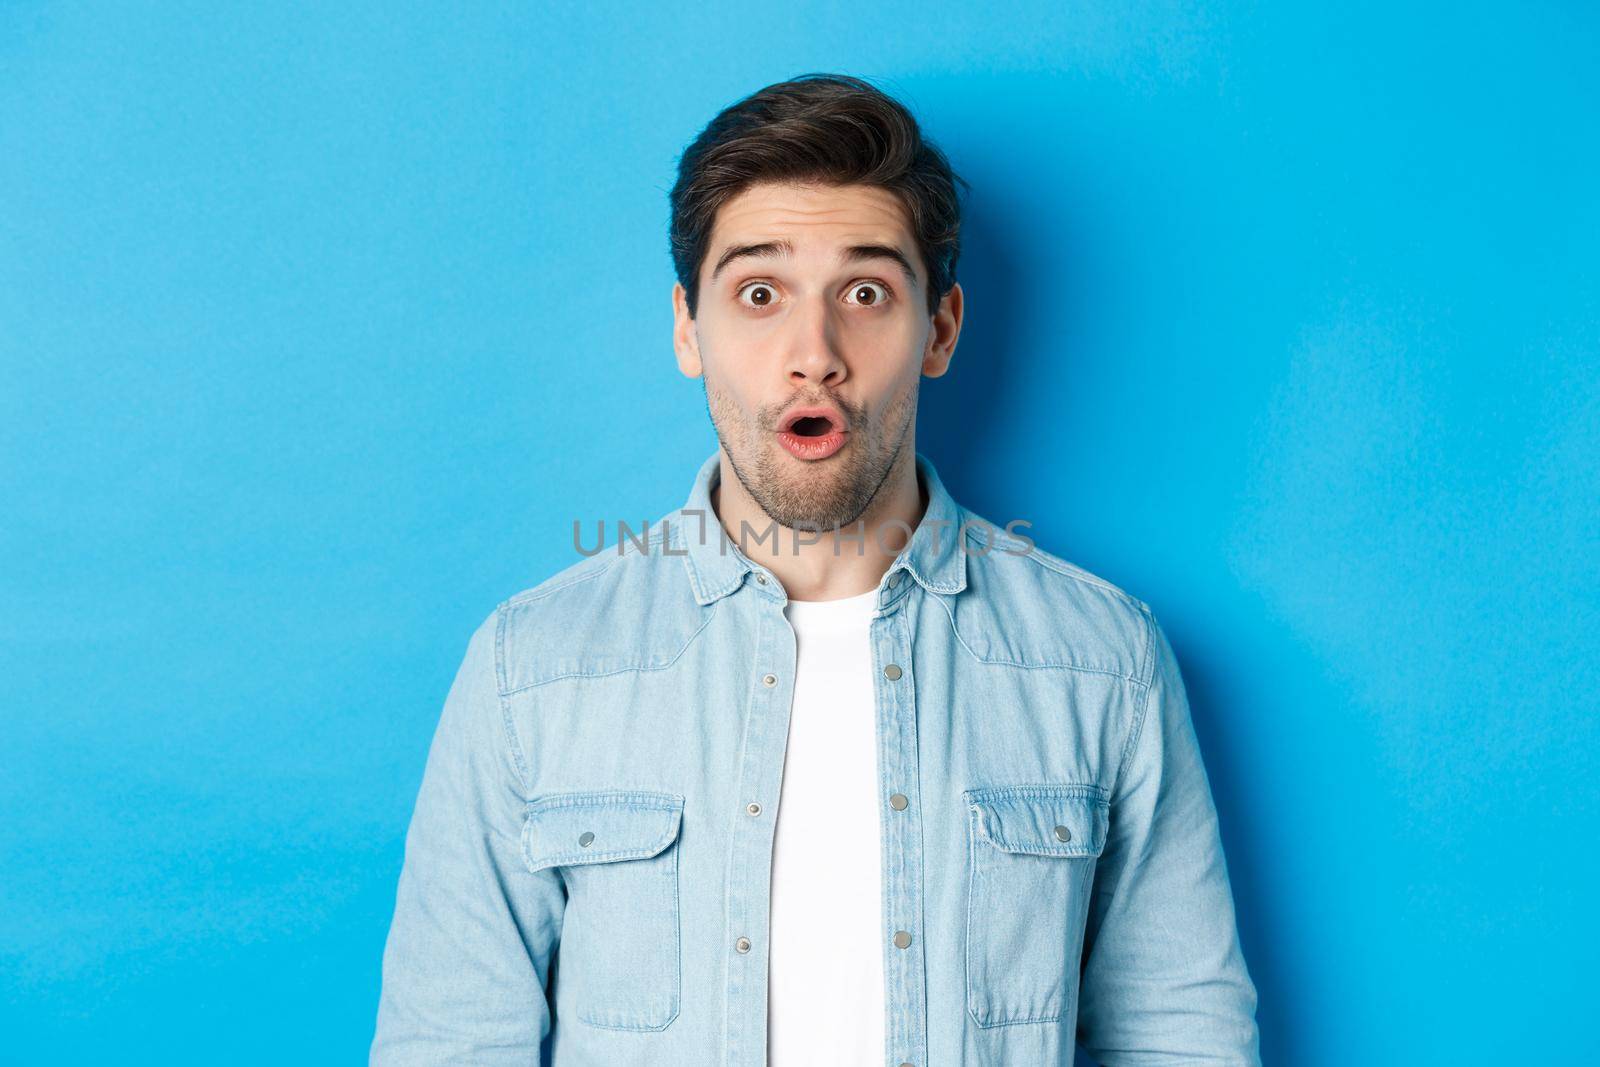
(828, 128)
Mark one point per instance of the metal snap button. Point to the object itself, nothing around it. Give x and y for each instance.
(753, 808)
(1063, 834)
(892, 671)
(743, 944)
(769, 680)
(898, 802)
(586, 838)
(901, 939)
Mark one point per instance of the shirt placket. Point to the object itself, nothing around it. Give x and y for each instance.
(900, 812)
(766, 735)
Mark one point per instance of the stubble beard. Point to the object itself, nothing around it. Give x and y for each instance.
(823, 495)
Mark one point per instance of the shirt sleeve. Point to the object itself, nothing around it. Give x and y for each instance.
(467, 953)
(1163, 977)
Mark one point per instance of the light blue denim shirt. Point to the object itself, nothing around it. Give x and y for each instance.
(587, 870)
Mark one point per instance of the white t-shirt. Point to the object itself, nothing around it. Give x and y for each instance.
(825, 980)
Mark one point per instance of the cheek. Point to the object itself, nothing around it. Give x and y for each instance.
(895, 337)
(885, 356)
(740, 348)
(893, 393)
(729, 403)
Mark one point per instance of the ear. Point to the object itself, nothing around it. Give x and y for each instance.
(685, 341)
(942, 338)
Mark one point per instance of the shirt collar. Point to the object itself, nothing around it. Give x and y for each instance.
(717, 566)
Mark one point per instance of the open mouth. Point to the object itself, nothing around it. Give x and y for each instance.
(811, 426)
(812, 420)
(813, 432)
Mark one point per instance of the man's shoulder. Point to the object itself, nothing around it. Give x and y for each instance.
(590, 617)
(1037, 608)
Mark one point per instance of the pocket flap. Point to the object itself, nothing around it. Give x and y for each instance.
(1042, 820)
(564, 829)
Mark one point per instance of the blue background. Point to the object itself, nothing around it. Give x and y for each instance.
(319, 327)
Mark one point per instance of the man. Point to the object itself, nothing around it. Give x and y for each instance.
(780, 783)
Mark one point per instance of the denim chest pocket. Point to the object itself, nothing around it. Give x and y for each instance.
(1031, 859)
(617, 854)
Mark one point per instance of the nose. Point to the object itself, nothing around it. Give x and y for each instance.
(813, 350)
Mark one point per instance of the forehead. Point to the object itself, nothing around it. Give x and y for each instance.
(821, 216)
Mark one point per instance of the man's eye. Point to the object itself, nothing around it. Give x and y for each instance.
(869, 294)
(759, 294)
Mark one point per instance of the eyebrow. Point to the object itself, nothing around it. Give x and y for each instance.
(782, 247)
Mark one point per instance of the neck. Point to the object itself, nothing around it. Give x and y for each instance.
(827, 565)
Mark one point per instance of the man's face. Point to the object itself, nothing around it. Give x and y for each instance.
(805, 305)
